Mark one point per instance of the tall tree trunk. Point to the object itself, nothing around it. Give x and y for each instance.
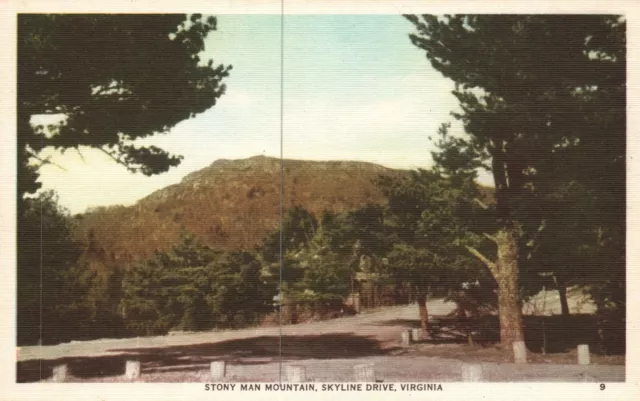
(508, 182)
(564, 305)
(506, 273)
(509, 306)
(561, 285)
(424, 313)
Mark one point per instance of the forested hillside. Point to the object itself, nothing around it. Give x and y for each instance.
(232, 204)
(181, 256)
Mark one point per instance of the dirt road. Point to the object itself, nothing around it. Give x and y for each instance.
(376, 324)
(328, 350)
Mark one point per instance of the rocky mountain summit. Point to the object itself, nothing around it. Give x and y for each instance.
(231, 204)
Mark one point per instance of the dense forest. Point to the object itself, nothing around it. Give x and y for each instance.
(213, 251)
(373, 251)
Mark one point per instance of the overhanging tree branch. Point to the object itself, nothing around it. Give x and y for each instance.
(491, 265)
(45, 161)
(112, 96)
(481, 203)
(117, 159)
(491, 237)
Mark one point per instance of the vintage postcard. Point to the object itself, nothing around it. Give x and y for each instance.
(307, 199)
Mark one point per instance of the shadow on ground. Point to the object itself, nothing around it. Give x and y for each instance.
(196, 357)
(552, 334)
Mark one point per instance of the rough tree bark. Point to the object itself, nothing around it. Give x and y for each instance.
(564, 304)
(424, 313)
(506, 273)
(508, 178)
(562, 292)
(509, 305)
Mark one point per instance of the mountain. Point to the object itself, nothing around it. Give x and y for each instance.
(230, 204)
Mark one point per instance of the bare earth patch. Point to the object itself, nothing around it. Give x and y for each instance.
(492, 353)
(328, 350)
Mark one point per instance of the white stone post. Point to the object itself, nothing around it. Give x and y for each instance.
(296, 374)
(132, 371)
(471, 372)
(416, 335)
(218, 370)
(364, 373)
(406, 338)
(519, 352)
(60, 373)
(584, 357)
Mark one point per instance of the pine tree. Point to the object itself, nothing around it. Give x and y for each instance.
(540, 95)
(112, 79)
(193, 287)
(52, 285)
(433, 216)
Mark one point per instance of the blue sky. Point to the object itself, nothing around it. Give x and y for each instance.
(354, 88)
